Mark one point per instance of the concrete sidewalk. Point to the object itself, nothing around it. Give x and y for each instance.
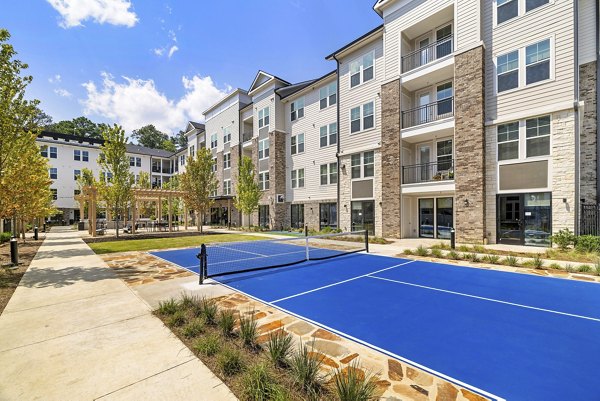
(73, 331)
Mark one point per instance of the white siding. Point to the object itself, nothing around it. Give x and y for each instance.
(468, 23)
(588, 28)
(226, 118)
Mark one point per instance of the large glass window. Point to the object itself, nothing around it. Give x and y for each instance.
(362, 70)
(444, 217)
(426, 218)
(263, 215)
(328, 95)
(297, 109)
(538, 219)
(363, 165)
(297, 218)
(538, 136)
(263, 117)
(508, 141)
(328, 135)
(537, 60)
(263, 149)
(328, 215)
(363, 216)
(507, 69)
(444, 155)
(297, 144)
(506, 9)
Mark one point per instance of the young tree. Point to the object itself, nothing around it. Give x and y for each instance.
(199, 182)
(115, 162)
(144, 183)
(176, 204)
(248, 191)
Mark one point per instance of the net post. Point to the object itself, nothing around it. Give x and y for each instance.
(306, 236)
(367, 240)
(202, 258)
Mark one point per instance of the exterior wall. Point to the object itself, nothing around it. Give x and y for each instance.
(588, 134)
(563, 171)
(469, 139)
(391, 159)
(588, 31)
(277, 180)
(468, 23)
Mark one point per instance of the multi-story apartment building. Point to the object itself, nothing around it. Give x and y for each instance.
(473, 115)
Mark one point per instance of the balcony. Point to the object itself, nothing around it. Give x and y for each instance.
(427, 54)
(428, 113)
(247, 136)
(428, 172)
(156, 169)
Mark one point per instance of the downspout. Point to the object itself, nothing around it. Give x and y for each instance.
(597, 35)
(338, 206)
(577, 201)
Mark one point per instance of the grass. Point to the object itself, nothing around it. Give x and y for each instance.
(209, 345)
(227, 322)
(166, 243)
(305, 369)
(584, 269)
(208, 310)
(168, 307)
(258, 384)
(193, 328)
(421, 251)
(230, 361)
(279, 348)
(352, 384)
(511, 261)
(248, 330)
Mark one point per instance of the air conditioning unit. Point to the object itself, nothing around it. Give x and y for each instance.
(280, 198)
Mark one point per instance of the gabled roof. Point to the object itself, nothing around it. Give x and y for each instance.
(377, 5)
(197, 125)
(299, 87)
(194, 126)
(224, 99)
(262, 78)
(142, 150)
(367, 36)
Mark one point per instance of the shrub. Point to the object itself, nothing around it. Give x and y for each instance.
(479, 249)
(352, 384)
(230, 361)
(569, 268)
(511, 261)
(258, 384)
(209, 310)
(177, 319)
(584, 268)
(492, 259)
(279, 347)
(193, 328)
(305, 370)
(188, 301)
(555, 266)
(464, 248)
(454, 255)
(537, 261)
(248, 330)
(408, 252)
(437, 253)
(587, 243)
(442, 246)
(168, 307)
(564, 239)
(421, 251)
(227, 322)
(209, 345)
(597, 267)
(4, 237)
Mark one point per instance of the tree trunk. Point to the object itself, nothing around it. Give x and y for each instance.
(117, 222)
(249, 217)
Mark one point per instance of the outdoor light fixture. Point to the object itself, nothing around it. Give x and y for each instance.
(467, 203)
(564, 200)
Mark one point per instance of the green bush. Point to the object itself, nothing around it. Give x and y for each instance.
(305, 370)
(209, 345)
(177, 319)
(258, 384)
(454, 255)
(188, 301)
(168, 307)
(352, 385)
(584, 269)
(564, 239)
(227, 322)
(569, 268)
(248, 330)
(421, 251)
(511, 261)
(588, 243)
(555, 266)
(230, 361)
(193, 328)
(279, 347)
(4, 237)
(408, 252)
(464, 248)
(597, 267)
(208, 310)
(491, 259)
(437, 253)
(537, 261)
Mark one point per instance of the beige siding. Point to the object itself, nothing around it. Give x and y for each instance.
(554, 21)
(227, 118)
(468, 23)
(352, 97)
(588, 28)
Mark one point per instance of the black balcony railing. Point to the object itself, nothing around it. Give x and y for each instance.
(247, 136)
(155, 169)
(442, 170)
(430, 112)
(427, 54)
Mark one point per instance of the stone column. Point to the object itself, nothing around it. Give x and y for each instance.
(589, 127)
(469, 145)
(277, 178)
(391, 151)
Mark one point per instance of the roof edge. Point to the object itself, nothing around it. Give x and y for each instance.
(366, 36)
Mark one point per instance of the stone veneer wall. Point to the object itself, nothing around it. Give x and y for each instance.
(469, 137)
(589, 125)
(311, 218)
(563, 171)
(265, 198)
(277, 180)
(491, 183)
(391, 159)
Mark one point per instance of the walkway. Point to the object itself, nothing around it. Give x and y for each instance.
(72, 330)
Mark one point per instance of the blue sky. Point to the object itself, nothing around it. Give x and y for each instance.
(149, 61)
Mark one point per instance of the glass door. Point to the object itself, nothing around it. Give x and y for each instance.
(537, 219)
(424, 55)
(426, 229)
(263, 215)
(423, 112)
(424, 160)
(444, 216)
(510, 219)
(363, 216)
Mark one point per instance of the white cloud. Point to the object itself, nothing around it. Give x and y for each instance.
(74, 12)
(63, 92)
(134, 103)
(54, 79)
(172, 35)
(159, 51)
(172, 50)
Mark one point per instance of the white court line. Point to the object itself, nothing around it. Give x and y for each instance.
(239, 250)
(382, 350)
(340, 282)
(487, 299)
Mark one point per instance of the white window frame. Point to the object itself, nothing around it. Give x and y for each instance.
(329, 134)
(226, 161)
(297, 108)
(214, 165)
(76, 174)
(518, 140)
(227, 187)
(264, 117)
(182, 160)
(295, 142)
(523, 141)
(263, 149)
(52, 149)
(325, 93)
(549, 60)
(226, 135)
(214, 140)
(54, 193)
(77, 155)
(138, 162)
(44, 151)
(360, 62)
(549, 136)
(330, 169)
(521, 13)
(362, 117)
(297, 178)
(53, 170)
(362, 165)
(192, 151)
(85, 156)
(263, 180)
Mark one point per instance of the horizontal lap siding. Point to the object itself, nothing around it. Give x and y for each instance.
(555, 20)
(468, 24)
(588, 29)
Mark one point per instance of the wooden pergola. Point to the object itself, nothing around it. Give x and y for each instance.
(89, 195)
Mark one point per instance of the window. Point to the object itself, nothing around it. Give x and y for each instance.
(131, 161)
(53, 173)
(368, 164)
(85, 156)
(508, 141)
(328, 95)
(263, 180)
(263, 117)
(361, 70)
(329, 173)
(263, 215)
(508, 71)
(506, 9)
(363, 165)
(192, 151)
(109, 177)
(532, 4)
(44, 151)
(297, 216)
(226, 187)
(537, 60)
(444, 99)
(297, 109)
(328, 215)
(213, 141)
(214, 165)
(538, 136)
(77, 154)
(226, 161)
(54, 193)
(76, 174)
(213, 193)
(297, 144)
(53, 152)
(362, 117)
(226, 135)
(76, 192)
(138, 162)
(263, 149)
(182, 160)
(444, 155)
(298, 178)
(328, 135)
(355, 165)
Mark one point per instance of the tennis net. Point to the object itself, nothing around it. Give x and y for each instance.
(219, 259)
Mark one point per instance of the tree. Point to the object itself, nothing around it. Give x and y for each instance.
(167, 144)
(18, 128)
(199, 182)
(180, 140)
(116, 191)
(248, 191)
(176, 204)
(151, 137)
(144, 183)
(80, 126)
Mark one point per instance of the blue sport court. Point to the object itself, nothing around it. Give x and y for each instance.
(507, 336)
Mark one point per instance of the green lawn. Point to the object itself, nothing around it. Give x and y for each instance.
(164, 243)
